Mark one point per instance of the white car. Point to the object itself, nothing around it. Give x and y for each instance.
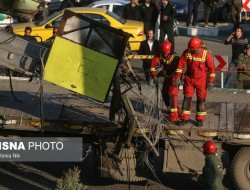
(53, 5)
(5, 20)
(115, 6)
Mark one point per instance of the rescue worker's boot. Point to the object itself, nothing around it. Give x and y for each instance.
(183, 122)
(199, 123)
(186, 111)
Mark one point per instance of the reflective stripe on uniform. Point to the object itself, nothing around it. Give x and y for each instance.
(152, 69)
(202, 59)
(173, 110)
(186, 111)
(201, 113)
(178, 71)
(212, 74)
(171, 59)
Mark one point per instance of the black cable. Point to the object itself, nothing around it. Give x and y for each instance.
(9, 40)
(157, 100)
(41, 93)
(184, 137)
(11, 86)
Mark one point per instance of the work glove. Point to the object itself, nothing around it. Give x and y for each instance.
(210, 86)
(177, 82)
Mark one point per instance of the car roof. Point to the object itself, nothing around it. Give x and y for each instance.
(112, 1)
(109, 2)
(88, 9)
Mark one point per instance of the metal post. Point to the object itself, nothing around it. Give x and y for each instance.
(41, 105)
(222, 79)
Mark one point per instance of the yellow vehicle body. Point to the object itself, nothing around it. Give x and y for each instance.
(44, 28)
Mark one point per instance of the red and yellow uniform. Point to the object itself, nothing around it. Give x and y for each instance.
(200, 71)
(169, 91)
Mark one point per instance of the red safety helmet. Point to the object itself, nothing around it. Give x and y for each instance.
(166, 47)
(194, 44)
(209, 147)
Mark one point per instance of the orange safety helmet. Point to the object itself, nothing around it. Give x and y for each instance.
(209, 147)
(166, 47)
(194, 44)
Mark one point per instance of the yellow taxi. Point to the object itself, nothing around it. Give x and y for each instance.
(44, 27)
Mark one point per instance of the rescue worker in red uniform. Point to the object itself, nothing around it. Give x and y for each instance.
(199, 76)
(167, 61)
(212, 173)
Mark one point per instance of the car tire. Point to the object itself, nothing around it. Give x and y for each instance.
(240, 169)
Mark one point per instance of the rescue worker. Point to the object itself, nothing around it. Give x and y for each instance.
(212, 173)
(199, 61)
(169, 61)
(243, 63)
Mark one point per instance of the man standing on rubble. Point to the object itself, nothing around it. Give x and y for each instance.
(199, 64)
(169, 61)
(212, 173)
